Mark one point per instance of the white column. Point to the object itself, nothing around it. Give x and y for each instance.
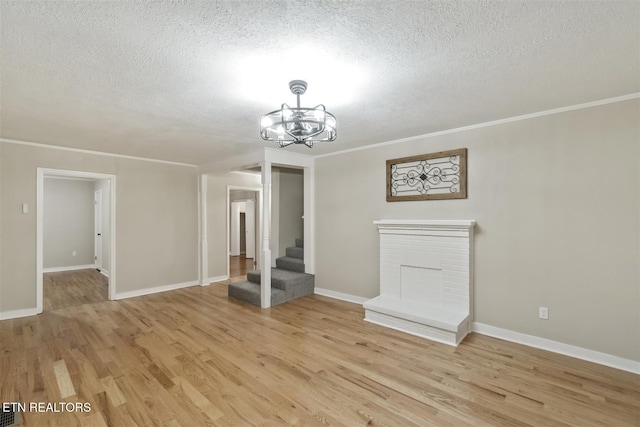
(265, 261)
(309, 220)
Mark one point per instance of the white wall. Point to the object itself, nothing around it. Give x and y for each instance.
(2, 184)
(239, 195)
(68, 222)
(156, 224)
(290, 207)
(103, 185)
(557, 202)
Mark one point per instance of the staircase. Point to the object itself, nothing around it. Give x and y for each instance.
(288, 280)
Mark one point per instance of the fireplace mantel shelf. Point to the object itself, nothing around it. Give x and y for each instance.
(426, 223)
(425, 278)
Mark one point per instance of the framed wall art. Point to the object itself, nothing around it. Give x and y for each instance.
(434, 176)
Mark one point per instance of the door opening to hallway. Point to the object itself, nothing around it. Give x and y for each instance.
(73, 238)
(242, 233)
(239, 266)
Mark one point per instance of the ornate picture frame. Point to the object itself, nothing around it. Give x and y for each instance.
(434, 176)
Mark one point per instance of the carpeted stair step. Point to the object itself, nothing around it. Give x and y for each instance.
(285, 280)
(295, 252)
(291, 264)
(288, 280)
(250, 292)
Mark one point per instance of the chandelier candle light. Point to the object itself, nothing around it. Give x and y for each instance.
(298, 125)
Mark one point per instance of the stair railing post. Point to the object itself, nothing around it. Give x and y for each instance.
(265, 261)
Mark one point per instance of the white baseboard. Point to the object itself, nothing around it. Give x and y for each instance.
(215, 279)
(104, 272)
(68, 268)
(605, 359)
(339, 295)
(14, 314)
(558, 347)
(148, 291)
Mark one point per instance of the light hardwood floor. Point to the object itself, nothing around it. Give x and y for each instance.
(68, 288)
(239, 266)
(193, 357)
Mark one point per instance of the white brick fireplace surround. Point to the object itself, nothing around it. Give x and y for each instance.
(426, 278)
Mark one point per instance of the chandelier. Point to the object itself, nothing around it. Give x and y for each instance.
(298, 125)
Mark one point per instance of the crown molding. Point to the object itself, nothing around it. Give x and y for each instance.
(276, 153)
(488, 124)
(97, 153)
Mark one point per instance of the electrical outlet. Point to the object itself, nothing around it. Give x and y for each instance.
(543, 313)
(73, 253)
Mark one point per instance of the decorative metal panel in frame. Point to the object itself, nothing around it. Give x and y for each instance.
(434, 176)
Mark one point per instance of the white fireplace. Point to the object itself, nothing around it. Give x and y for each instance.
(426, 278)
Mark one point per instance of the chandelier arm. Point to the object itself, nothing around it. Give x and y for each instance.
(283, 143)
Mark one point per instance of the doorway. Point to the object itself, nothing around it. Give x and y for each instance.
(91, 252)
(243, 206)
(243, 228)
(97, 233)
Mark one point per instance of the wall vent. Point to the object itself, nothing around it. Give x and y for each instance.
(10, 418)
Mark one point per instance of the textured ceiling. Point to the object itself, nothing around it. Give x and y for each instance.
(187, 81)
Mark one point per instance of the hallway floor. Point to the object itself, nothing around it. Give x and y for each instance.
(64, 289)
(239, 266)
